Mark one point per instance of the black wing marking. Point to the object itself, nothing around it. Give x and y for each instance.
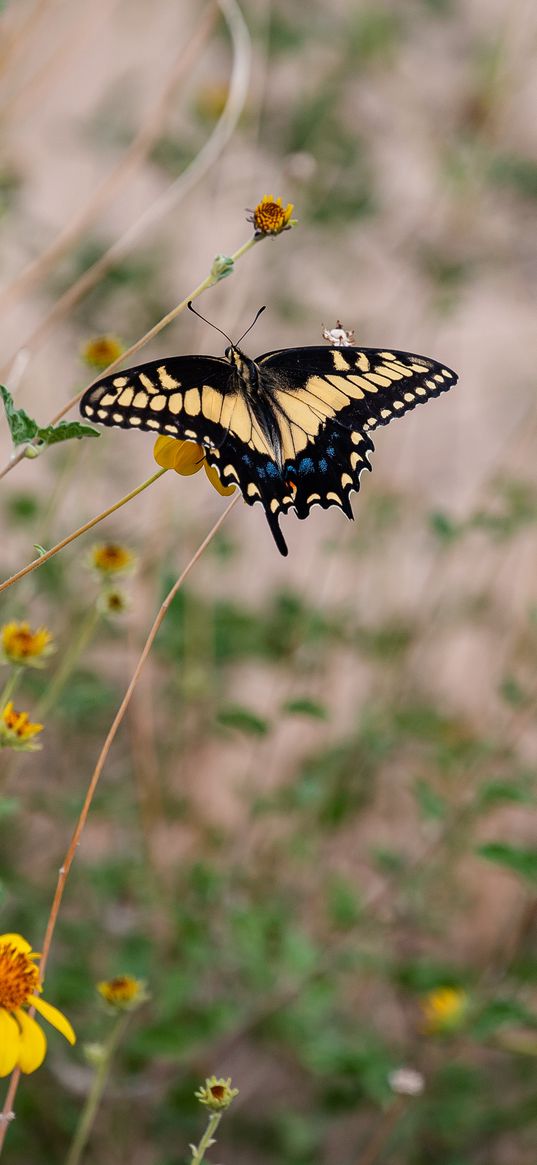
(327, 400)
(195, 398)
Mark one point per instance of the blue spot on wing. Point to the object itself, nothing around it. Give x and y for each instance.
(272, 469)
(306, 465)
(323, 464)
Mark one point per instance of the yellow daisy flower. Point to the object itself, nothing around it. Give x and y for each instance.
(123, 993)
(17, 730)
(444, 1009)
(111, 558)
(217, 1094)
(22, 1042)
(185, 457)
(102, 351)
(21, 645)
(270, 217)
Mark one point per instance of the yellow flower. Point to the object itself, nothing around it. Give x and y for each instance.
(211, 101)
(112, 602)
(123, 993)
(186, 458)
(216, 1094)
(21, 645)
(270, 218)
(22, 1042)
(444, 1009)
(102, 351)
(111, 558)
(17, 730)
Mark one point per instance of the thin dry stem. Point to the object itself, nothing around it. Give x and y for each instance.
(128, 163)
(150, 335)
(210, 152)
(101, 761)
(36, 562)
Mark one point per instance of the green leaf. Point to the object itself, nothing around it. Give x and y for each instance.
(52, 434)
(515, 792)
(24, 429)
(8, 806)
(516, 858)
(430, 803)
(21, 426)
(235, 716)
(306, 707)
(500, 1013)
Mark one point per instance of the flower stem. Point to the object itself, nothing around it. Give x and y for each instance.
(81, 530)
(198, 1151)
(10, 686)
(93, 1099)
(59, 679)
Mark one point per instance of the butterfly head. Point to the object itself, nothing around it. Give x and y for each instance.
(246, 369)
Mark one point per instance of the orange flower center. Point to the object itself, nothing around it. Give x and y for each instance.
(269, 217)
(22, 642)
(19, 977)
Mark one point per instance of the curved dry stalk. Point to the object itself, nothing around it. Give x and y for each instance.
(63, 873)
(51, 69)
(238, 88)
(36, 562)
(135, 154)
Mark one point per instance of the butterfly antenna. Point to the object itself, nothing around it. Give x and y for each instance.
(211, 325)
(254, 321)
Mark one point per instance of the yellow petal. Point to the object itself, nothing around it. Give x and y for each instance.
(214, 479)
(55, 1017)
(189, 458)
(33, 1043)
(185, 457)
(16, 940)
(10, 1038)
(164, 451)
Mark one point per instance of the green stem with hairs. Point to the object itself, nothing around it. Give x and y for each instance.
(93, 1100)
(199, 1151)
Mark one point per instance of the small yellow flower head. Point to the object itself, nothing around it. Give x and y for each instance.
(444, 1009)
(17, 730)
(22, 646)
(270, 217)
(112, 602)
(102, 351)
(211, 100)
(216, 1094)
(22, 1042)
(124, 993)
(185, 457)
(111, 558)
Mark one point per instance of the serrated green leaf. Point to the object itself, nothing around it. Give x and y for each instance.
(516, 858)
(306, 707)
(21, 426)
(65, 431)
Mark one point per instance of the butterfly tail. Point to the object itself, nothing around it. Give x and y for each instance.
(274, 524)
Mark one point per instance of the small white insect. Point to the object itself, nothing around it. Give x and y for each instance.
(338, 336)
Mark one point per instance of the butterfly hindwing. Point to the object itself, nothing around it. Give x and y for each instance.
(329, 399)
